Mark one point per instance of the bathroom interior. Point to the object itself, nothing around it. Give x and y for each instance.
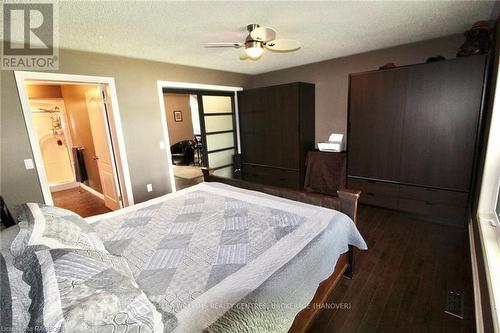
(66, 132)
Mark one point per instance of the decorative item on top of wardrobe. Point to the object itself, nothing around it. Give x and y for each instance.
(435, 59)
(388, 65)
(477, 40)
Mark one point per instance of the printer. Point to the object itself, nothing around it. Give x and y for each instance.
(335, 143)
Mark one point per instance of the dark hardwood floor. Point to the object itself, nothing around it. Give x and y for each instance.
(79, 201)
(400, 284)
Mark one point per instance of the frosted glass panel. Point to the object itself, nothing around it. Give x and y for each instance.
(224, 172)
(218, 123)
(217, 104)
(220, 158)
(219, 141)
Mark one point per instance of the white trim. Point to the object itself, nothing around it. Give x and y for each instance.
(166, 139)
(22, 76)
(92, 191)
(488, 224)
(475, 281)
(491, 253)
(237, 121)
(194, 86)
(198, 86)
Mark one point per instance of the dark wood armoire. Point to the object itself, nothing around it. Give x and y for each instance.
(276, 131)
(412, 136)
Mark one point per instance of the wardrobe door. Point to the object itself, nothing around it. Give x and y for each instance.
(254, 130)
(282, 145)
(440, 123)
(376, 107)
(269, 126)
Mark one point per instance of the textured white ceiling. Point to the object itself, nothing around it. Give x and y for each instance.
(174, 32)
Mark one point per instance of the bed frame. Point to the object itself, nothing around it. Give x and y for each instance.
(346, 202)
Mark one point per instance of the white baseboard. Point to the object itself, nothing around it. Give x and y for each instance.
(475, 280)
(64, 186)
(92, 191)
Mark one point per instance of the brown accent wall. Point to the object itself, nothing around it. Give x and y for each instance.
(183, 130)
(332, 77)
(79, 125)
(43, 91)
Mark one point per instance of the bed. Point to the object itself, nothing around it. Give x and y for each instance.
(224, 256)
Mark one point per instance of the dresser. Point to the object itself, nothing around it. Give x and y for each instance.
(412, 136)
(276, 131)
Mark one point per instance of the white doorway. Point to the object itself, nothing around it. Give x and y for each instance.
(64, 157)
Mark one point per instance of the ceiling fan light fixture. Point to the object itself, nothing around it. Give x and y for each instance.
(254, 49)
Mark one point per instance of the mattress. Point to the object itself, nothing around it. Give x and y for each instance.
(217, 258)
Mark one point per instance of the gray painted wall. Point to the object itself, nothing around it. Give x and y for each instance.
(332, 76)
(136, 84)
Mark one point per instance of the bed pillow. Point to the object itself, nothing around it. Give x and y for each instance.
(47, 227)
(14, 295)
(88, 291)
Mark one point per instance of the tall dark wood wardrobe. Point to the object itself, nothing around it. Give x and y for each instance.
(412, 136)
(276, 131)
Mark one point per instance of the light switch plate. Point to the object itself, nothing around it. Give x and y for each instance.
(149, 187)
(162, 145)
(28, 164)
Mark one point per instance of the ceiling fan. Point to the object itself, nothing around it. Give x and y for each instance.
(258, 39)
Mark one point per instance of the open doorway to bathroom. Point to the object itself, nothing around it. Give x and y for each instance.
(74, 144)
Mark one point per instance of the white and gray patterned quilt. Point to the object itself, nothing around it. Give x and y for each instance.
(187, 248)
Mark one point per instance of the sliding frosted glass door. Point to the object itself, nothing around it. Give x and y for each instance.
(218, 127)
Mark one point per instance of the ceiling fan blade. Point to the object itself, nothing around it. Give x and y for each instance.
(283, 45)
(263, 34)
(223, 44)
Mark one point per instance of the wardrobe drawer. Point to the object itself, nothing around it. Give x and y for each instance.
(379, 200)
(375, 193)
(272, 176)
(433, 209)
(373, 187)
(451, 198)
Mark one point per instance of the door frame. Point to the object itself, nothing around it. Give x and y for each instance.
(114, 122)
(191, 86)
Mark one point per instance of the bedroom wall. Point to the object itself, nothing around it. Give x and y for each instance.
(79, 126)
(178, 130)
(136, 84)
(332, 76)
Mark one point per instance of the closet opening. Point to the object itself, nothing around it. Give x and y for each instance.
(77, 153)
(201, 128)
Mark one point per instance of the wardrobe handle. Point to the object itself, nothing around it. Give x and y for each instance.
(428, 203)
(370, 193)
(95, 158)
